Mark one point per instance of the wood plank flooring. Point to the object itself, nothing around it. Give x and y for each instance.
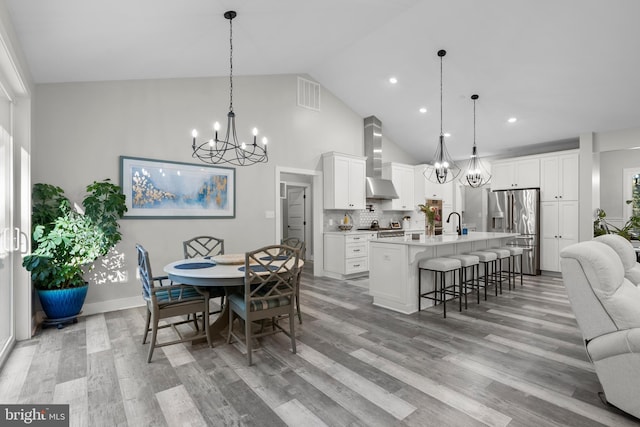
(514, 360)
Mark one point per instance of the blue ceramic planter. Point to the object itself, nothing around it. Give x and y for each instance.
(62, 303)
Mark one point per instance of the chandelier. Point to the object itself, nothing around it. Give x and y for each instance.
(476, 174)
(229, 150)
(444, 168)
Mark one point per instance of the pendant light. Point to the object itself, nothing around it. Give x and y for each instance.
(229, 150)
(475, 174)
(444, 168)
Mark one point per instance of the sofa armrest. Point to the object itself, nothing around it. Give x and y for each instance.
(615, 343)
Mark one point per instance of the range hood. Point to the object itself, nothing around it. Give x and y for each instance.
(377, 188)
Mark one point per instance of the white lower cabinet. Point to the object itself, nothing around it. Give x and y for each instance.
(559, 225)
(346, 254)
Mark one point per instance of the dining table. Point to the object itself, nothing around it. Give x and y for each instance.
(222, 271)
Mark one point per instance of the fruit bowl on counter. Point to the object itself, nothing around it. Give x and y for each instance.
(345, 227)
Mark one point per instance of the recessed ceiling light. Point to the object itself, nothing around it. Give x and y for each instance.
(423, 110)
(393, 80)
(512, 120)
(447, 135)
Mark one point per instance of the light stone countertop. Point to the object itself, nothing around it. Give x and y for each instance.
(444, 239)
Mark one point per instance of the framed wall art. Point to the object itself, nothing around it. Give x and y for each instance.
(165, 189)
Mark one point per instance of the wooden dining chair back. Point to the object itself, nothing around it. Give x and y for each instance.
(294, 242)
(297, 243)
(166, 300)
(270, 281)
(203, 246)
(206, 246)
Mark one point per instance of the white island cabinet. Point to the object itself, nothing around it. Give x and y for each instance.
(393, 265)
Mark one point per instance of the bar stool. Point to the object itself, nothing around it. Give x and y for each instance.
(515, 252)
(502, 254)
(468, 262)
(488, 261)
(440, 267)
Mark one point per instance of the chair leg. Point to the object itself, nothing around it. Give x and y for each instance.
(486, 279)
(292, 331)
(195, 321)
(247, 337)
(443, 295)
(154, 335)
(298, 299)
(521, 257)
(420, 290)
(146, 326)
(230, 326)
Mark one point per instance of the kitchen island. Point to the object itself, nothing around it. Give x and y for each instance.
(393, 264)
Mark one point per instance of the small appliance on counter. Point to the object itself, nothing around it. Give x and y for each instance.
(395, 225)
(346, 223)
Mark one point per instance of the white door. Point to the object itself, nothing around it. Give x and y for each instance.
(296, 221)
(7, 243)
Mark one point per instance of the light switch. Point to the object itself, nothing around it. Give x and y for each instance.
(269, 214)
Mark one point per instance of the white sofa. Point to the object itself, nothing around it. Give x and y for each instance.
(607, 308)
(627, 255)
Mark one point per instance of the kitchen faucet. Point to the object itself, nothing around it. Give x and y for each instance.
(458, 229)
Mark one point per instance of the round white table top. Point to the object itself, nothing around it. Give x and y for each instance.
(206, 272)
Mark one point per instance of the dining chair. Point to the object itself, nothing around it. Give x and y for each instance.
(296, 243)
(270, 281)
(206, 246)
(203, 246)
(166, 300)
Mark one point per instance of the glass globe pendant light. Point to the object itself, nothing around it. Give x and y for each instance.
(476, 174)
(443, 169)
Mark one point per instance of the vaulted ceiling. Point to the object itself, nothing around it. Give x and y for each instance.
(562, 68)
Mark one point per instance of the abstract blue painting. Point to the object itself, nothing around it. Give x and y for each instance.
(156, 188)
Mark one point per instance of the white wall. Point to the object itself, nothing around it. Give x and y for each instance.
(80, 129)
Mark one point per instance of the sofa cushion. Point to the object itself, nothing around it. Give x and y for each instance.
(627, 255)
(604, 271)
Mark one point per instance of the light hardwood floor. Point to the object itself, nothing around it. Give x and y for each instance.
(515, 360)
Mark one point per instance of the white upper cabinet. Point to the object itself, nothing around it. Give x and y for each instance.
(426, 189)
(344, 181)
(511, 174)
(403, 180)
(559, 177)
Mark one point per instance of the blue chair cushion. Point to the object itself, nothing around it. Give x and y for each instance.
(187, 293)
(237, 300)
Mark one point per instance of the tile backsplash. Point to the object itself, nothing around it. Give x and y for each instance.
(364, 218)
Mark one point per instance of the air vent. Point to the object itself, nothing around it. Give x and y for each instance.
(308, 94)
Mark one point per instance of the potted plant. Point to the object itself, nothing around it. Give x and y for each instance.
(629, 230)
(65, 243)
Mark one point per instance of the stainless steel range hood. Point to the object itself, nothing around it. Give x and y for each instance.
(377, 188)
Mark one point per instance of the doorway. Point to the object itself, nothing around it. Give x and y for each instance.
(300, 190)
(296, 213)
(631, 192)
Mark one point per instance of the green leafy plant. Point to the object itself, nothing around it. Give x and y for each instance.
(629, 230)
(65, 243)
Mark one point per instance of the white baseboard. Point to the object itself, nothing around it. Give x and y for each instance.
(112, 305)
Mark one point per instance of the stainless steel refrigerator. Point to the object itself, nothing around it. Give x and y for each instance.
(518, 211)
